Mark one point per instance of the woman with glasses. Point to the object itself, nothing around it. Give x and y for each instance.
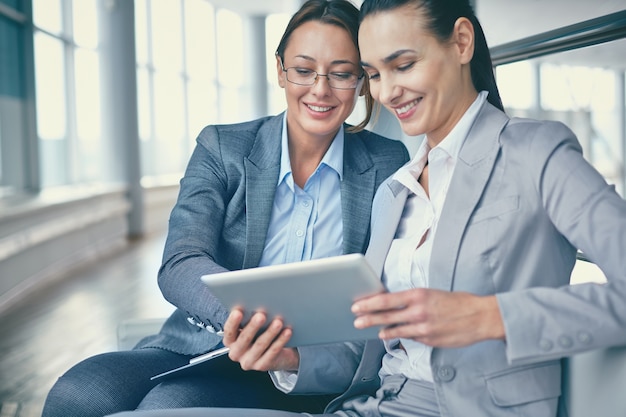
(279, 189)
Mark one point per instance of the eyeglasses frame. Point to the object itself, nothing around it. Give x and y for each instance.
(317, 75)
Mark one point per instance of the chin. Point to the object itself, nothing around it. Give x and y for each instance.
(411, 129)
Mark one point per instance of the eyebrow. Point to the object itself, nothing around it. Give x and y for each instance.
(335, 62)
(390, 57)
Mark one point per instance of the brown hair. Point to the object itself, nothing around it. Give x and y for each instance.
(341, 13)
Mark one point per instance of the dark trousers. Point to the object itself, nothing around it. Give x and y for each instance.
(120, 381)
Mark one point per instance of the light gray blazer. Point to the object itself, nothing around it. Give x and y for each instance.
(223, 210)
(521, 201)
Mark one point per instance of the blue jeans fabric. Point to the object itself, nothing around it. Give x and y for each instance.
(120, 381)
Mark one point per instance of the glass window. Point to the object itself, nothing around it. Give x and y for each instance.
(50, 83)
(200, 39)
(14, 4)
(67, 81)
(580, 88)
(275, 25)
(516, 83)
(51, 109)
(166, 35)
(85, 23)
(202, 107)
(176, 81)
(48, 15)
(12, 92)
(141, 32)
(230, 66)
(2, 183)
(144, 98)
(230, 50)
(168, 107)
(88, 114)
(202, 96)
(11, 67)
(167, 144)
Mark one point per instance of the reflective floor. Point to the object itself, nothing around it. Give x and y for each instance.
(72, 319)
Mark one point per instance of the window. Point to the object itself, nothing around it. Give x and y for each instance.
(274, 27)
(176, 81)
(230, 65)
(583, 88)
(12, 93)
(67, 81)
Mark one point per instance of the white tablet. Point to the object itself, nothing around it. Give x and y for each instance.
(312, 297)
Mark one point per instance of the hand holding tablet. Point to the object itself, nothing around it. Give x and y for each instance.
(312, 297)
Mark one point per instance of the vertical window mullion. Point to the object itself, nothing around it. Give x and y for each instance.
(73, 158)
(185, 79)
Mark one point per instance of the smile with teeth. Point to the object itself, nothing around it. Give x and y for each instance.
(318, 108)
(407, 107)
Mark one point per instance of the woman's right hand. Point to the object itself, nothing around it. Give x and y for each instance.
(256, 351)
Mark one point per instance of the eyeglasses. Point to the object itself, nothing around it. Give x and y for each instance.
(308, 77)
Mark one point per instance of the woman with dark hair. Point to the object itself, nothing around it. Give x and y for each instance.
(279, 189)
(475, 239)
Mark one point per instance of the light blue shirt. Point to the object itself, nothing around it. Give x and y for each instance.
(306, 223)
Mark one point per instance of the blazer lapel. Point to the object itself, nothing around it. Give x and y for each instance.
(388, 207)
(262, 168)
(473, 169)
(358, 185)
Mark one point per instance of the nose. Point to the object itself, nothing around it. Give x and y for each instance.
(321, 85)
(386, 90)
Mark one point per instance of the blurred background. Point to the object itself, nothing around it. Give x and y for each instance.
(100, 105)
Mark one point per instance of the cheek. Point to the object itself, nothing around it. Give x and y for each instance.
(291, 94)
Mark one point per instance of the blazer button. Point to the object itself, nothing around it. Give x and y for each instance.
(565, 341)
(584, 338)
(446, 373)
(545, 344)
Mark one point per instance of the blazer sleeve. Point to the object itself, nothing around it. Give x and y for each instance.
(194, 231)
(325, 369)
(545, 323)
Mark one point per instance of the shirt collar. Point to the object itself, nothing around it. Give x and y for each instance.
(333, 157)
(451, 144)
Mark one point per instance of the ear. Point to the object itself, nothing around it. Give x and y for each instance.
(464, 39)
(281, 74)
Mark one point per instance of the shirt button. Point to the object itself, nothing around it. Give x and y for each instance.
(446, 373)
(545, 344)
(305, 203)
(299, 233)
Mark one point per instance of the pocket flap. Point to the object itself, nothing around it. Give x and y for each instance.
(526, 385)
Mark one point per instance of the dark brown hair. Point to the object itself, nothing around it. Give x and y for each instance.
(341, 13)
(442, 15)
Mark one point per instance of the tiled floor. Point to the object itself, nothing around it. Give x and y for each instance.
(72, 319)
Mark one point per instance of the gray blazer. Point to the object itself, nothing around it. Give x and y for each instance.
(221, 218)
(522, 200)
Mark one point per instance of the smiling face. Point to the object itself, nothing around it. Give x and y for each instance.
(424, 82)
(317, 111)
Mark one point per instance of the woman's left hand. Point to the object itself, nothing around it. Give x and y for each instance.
(258, 349)
(433, 317)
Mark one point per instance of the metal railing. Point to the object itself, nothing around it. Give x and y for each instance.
(590, 32)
